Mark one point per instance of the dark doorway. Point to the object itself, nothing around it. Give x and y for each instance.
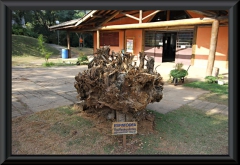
(169, 47)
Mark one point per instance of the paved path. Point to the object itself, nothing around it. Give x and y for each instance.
(38, 89)
(177, 96)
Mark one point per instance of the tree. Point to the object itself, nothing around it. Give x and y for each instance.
(38, 21)
(42, 48)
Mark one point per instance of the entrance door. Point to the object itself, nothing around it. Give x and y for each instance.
(169, 47)
(160, 45)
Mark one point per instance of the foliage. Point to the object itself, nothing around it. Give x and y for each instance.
(38, 21)
(29, 31)
(82, 59)
(16, 29)
(19, 30)
(42, 48)
(178, 66)
(220, 77)
(50, 64)
(211, 79)
(178, 72)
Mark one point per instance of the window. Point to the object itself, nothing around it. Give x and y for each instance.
(153, 39)
(109, 38)
(185, 39)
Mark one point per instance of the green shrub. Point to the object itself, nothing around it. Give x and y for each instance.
(26, 31)
(48, 64)
(18, 30)
(220, 77)
(211, 79)
(82, 59)
(178, 66)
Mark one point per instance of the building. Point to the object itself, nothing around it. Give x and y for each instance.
(193, 37)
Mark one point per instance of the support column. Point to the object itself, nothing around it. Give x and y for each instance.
(68, 45)
(140, 16)
(213, 45)
(98, 40)
(124, 40)
(168, 15)
(143, 40)
(194, 45)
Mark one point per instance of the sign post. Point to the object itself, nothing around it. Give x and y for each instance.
(124, 140)
(124, 128)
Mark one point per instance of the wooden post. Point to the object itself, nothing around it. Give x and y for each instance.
(216, 71)
(121, 118)
(168, 15)
(213, 45)
(143, 40)
(124, 40)
(98, 40)
(68, 45)
(124, 141)
(194, 45)
(140, 16)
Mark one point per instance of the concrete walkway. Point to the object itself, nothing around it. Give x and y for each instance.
(38, 89)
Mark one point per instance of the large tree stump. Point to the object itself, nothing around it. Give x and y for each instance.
(110, 83)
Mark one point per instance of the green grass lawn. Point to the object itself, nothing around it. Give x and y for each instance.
(212, 87)
(25, 53)
(218, 93)
(65, 131)
(27, 46)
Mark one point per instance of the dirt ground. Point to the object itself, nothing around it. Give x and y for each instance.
(50, 131)
(70, 131)
(31, 61)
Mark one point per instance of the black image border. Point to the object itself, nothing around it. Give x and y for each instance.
(5, 78)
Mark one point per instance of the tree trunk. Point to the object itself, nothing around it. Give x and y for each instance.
(68, 44)
(213, 45)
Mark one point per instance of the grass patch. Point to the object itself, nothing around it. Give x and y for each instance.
(212, 87)
(215, 98)
(28, 46)
(89, 138)
(76, 51)
(52, 64)
(187, 131)
(218, 93)
(62, 131)
(66, 110)
(25, 53)
(29, 61)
